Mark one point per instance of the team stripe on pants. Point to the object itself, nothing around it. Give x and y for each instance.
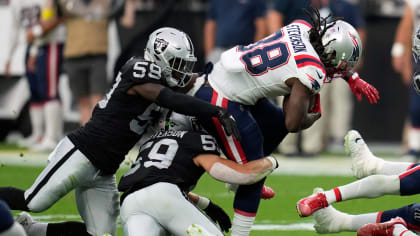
(233, 147)
(53, 169)
(52, 70)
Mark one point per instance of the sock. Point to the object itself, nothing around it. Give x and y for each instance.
(15, 230)
(370, 187)
(37, 118)
(53, 120)
(14, 197)
(394, 168)
(414, 139)
(357, 221)
(242, 224)
(333, 195)
(401, 230)
(38, 229)
(69, 228)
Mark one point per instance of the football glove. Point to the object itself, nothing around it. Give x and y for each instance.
(218, 215)
(359, 87)
(228, 123)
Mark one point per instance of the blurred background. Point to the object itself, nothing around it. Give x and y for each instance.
(215, 25)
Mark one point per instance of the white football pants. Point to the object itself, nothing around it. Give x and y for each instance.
(159, 208)
(97, 196)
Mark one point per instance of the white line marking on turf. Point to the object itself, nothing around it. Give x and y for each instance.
(256, 227)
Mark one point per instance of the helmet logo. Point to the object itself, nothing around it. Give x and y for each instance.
(356, 49)
(160, 45)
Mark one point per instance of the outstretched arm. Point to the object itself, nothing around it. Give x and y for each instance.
(185, 104)
(360, 87)
(231, 172)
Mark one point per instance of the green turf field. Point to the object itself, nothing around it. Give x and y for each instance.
(277, 211)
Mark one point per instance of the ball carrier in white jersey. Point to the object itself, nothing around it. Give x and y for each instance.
(167, 168)
(87, 159)
(296, 61)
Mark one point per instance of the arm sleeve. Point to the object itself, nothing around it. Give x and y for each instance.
(186, 105)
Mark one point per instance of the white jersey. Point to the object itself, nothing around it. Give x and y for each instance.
(25, 15)
(246, 74)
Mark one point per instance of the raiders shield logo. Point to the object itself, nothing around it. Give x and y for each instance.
(160, 46)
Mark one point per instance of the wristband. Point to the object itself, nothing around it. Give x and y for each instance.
(274, 162)
(397, 50)
(37, 30)
(203, 202)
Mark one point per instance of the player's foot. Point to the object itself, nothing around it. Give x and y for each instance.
(364, 163)
(307, 206)
(267, 192)
(29, 141)
(328, 220)
(380, 229)
(46, 145)
(26, 221)
(197, 230)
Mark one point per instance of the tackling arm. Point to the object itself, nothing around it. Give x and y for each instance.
(185, 104)
(231, 172)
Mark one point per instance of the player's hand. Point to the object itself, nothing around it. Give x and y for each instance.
(228, 123)
(30, 37)
(31, 63)
(317, 105)
(218, 215)
(7, 72)
(359, 87)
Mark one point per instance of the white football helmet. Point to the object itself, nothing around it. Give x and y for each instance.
(342, 40)
(173, 51)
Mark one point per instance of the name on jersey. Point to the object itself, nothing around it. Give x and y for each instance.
(169, 133)
(295, 37)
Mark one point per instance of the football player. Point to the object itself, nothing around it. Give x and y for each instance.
(380, 177)
(293, 62)
(8, 227)
(167, 168)
(86, 160)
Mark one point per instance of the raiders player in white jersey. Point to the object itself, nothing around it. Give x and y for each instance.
(86, 160)
(167, 168)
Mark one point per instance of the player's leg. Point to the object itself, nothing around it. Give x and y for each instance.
(410, 214)
(249, 148)
(98, 203)
(364, 163)
(142, 224)
(414, 131)
(164, 202)
(8, 227)
(48, 72)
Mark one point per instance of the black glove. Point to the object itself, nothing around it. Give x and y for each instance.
(218, 215)
(228, 123)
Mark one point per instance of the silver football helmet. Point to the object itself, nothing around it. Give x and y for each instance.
(416, 46)
(343, 40)
(173, 51)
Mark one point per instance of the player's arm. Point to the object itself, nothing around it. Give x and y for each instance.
(401, 56)
(50, 19)
(296, 116)
(215, 212)
(360, 87)
(184, 104)
(231, 172)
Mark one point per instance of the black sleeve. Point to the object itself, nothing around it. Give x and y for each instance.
(185, 104)
(139, 71)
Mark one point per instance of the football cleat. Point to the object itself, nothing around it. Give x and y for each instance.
(307, 206)
(197, 230)
(364, 163)
(328, 220)
(26, 221)
(46, 145)
(380, 229)
(267, 192)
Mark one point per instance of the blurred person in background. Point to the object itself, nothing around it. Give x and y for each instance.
(42, 69)
(86, 49)
(402, 63)
(233, 22)
(283, 12)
